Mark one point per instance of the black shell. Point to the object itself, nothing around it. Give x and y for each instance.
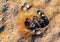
(2, 29)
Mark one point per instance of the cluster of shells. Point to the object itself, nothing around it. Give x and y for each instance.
(9, 10)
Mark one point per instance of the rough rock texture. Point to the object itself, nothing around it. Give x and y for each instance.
(8, 18)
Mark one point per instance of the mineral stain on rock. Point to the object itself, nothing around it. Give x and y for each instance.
(47, 1)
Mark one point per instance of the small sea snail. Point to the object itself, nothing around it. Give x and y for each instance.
(39, 12)
(26, 6)
(1, 29)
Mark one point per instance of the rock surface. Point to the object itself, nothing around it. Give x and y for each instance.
(9, 19)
